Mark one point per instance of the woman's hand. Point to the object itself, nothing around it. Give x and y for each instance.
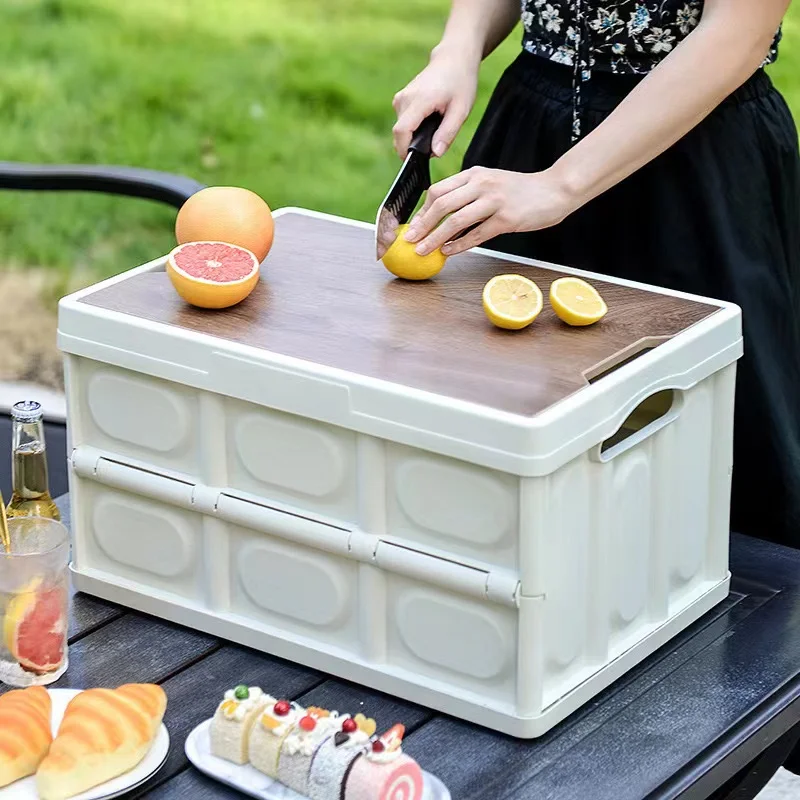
(448, 85)
(494, 200)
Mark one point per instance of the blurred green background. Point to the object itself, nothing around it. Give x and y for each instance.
(291, 98)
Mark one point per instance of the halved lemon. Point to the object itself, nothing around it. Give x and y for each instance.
(576, 302)
(512, 301)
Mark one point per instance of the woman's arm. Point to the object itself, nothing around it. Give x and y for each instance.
(449, 83)
(729, 44)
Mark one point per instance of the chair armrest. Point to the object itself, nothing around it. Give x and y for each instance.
(163, 187)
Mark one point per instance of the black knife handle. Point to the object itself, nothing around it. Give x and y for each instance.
(422, 140)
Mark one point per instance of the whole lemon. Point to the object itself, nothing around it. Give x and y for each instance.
(402, 260)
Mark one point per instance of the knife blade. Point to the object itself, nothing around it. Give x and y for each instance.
(413, 179)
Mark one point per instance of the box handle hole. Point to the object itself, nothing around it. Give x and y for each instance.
(651, 415)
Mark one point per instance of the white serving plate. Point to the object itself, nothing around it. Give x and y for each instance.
(249, 780)
(148, 766)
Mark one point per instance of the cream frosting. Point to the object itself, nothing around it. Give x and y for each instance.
(385, 757)
(235, 709)
(285, 722)
(305, 742)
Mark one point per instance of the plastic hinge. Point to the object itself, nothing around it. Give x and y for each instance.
(205, 499)
(84, 461)
(503, 588)
(452, 575)
(363, 546)
(285, 525)
(131, 479)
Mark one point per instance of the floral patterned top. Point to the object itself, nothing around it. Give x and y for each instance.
(622, 36)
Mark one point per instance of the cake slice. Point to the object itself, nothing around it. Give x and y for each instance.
(104, 733)
(275, 723)
(302, 744)
(385, 772)
(25, 733)
(333, 761)
(233, 722)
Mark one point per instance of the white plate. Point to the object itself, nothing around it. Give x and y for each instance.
(148, 766)
(249, 780)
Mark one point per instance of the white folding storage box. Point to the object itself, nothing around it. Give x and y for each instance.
(363, 475)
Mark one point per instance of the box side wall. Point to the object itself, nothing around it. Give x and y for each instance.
(619, 547)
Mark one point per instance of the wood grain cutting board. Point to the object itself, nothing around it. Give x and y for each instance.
(324, 299)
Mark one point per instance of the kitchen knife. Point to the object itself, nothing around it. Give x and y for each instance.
(413, 179)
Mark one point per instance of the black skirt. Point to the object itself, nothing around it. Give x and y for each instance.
(718, 215)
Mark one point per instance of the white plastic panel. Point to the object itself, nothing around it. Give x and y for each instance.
(630, 536)
(291, 460)
(453, 506)
(134, 415)
(448, 637)
(294, 588)
(141, 540)
(566, 553)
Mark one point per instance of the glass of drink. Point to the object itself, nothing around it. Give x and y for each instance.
(34, 602)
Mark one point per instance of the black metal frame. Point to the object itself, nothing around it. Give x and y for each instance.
(163, 187)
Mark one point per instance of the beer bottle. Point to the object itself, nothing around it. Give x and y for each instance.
(30, 496)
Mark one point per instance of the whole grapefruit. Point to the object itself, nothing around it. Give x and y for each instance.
(227, 214)
(212, 274)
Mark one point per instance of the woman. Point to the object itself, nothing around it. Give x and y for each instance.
(642, 139)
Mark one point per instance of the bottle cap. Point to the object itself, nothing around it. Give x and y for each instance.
(26, 411)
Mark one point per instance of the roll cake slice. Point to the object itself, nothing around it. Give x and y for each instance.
(274, 724)
(233, 722)
(385, 772)
(332, 763)
(302, 745)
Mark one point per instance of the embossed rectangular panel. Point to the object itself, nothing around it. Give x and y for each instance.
(453, 506)
(141, 540)
(144, 418)
(294, 589)
(291, 460)
(453, 639)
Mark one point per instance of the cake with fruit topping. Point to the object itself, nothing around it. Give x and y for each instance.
(384, 772)
(233, 722)
(335, 757)
(275, 723)
(301, 745)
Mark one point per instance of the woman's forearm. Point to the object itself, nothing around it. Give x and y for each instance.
(477, 27)
(728, 46)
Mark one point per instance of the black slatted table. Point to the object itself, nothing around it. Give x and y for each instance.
(712, 714)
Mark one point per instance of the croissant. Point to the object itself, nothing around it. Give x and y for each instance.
(25, 734)
(104, 733)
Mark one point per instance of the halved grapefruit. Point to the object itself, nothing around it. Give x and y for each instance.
(212, 274)
(34, 628)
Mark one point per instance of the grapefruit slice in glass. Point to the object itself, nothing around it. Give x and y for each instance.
(35, 627)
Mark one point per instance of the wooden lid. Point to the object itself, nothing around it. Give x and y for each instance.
(323, 298)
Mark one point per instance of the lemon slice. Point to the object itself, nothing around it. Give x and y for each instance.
(511, 301)
(576, 302)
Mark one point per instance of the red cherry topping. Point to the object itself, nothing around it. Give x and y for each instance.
(307, 723)
(349, 726)
(282, 708)
(378, 746)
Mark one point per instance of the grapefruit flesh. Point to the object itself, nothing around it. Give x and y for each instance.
(212, 274)
(35, 629)
(227, 214)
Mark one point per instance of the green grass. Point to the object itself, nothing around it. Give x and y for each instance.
(291, 98)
